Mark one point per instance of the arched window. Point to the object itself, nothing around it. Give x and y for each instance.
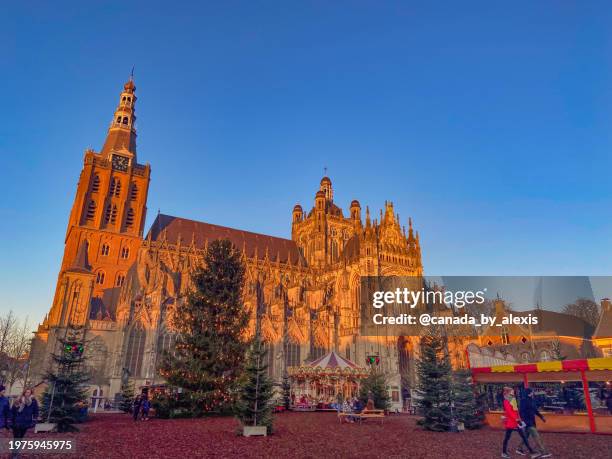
(316, 351)
(292, 354)
(135, 350)
(91, 211)
(96, 355)
(123, 98)
(115, 188)
(133, 192)
(105, 249)
(74, 300)
(120, 280)
(118, 120)
(100, 278)
(110, 216)
(165, 342)
(129, 99)
(125, 252)
(95, 186)
(334, 250)
(125, 120)
(129, 221)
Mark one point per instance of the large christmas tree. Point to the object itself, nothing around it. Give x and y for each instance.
(434, 381)
(210, 348)
(375, 387)
(66, 392)
(254, 407)
(467, 404)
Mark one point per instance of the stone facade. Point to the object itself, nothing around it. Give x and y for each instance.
(122, 286)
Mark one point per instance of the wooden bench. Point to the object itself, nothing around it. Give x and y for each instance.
(365, 414)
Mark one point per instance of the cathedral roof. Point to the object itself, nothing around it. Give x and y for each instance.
(549, 323)
(604, 328)
(170, 228)
(558, 322)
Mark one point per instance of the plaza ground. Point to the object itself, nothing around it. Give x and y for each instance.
(303, 435)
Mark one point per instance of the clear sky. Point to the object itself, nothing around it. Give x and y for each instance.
(487, 122)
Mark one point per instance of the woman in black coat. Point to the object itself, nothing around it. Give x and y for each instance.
(24, 413)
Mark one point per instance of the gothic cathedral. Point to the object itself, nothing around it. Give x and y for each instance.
(121, 285)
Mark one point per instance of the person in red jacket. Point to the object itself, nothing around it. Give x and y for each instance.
(512, 422)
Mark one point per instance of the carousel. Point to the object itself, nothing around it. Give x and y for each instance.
(323, 383)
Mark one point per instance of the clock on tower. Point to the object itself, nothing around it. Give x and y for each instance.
(120, 163)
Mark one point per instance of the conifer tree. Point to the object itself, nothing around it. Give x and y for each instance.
(210, 349)
(375, 387)
(434, 381)
(254, 407)
(467, 406)
(127, 396)
(66, 392)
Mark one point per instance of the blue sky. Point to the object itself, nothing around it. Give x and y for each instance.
(487, 122)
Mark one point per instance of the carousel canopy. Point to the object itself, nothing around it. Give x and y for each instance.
(330, 364)
(332, 361)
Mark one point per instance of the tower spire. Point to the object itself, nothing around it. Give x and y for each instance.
(121, 135)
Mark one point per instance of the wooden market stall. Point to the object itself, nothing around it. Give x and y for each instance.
(583, 371)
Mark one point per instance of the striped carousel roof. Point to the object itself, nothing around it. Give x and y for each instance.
(333, 360)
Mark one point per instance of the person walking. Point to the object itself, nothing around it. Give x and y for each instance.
(5, 410)
(528, 410)
(136, 407)
(513, 423)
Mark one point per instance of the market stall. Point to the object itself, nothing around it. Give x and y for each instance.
(574, 393)
(321, 384)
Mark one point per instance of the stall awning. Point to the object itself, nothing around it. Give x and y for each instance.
(604, 363)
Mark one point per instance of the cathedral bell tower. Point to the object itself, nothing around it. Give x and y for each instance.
(108, 215)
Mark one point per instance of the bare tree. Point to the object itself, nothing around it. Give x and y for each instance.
(476, 309)
(7, 329)
(584, 309)
(19, 351)
(15, 344)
